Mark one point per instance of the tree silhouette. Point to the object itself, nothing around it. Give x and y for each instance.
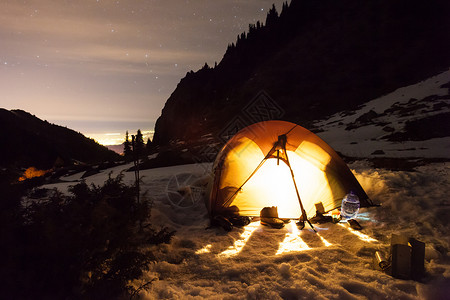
(149, 146)
(84, 245)
(139, 146)
(272, 16)
(127, 147)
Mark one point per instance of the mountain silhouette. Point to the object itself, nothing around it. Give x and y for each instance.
(29, 141)
(312, 59)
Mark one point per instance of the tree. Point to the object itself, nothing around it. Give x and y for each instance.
(284, 8)
(205, 66)
(85, 245)
(149, 146)
(272, 16)
(258, 25)
(139, 146)
(127, 147)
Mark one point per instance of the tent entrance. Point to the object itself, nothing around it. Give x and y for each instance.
(271, 185)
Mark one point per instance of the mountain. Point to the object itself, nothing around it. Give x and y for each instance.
(408, 126)
(30, 141)
(312, 60)
(116, 148)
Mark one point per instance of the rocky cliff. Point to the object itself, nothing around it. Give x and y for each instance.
(312, 59)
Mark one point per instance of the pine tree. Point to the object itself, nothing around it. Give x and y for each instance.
(272, 16)
(258, 25)
(149, 146)
(284, 9)
(139, 144)
(206, 67)
(127, 147)
(251, 29)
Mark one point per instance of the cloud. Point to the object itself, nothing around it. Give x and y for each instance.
(86, 58)
(102, 41)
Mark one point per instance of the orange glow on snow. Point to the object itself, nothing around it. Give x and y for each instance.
(206, 249)
(32, 172)
(363, 237)
(292, 241)
(239, 244)
(325, 242)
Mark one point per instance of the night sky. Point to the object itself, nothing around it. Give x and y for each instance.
(102, 67)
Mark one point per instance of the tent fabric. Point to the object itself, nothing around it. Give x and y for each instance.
(250, 175)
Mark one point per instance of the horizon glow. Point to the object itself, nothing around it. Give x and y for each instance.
(98, 63)
(117, 138)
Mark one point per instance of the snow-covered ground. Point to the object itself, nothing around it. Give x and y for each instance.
(257, 262)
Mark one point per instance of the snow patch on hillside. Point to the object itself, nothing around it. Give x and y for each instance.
(362, 132)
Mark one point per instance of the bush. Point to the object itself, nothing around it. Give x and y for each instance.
(86, 245)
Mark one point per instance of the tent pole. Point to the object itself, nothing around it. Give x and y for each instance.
(305, 218)
(282, 139)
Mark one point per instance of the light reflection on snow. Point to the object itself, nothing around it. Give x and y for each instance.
(365, 216)
(325, 242)
(292, 241)
(363, 237)
(206, 249)
(239, 244)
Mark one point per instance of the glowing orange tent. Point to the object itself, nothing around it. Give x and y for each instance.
(278, 163)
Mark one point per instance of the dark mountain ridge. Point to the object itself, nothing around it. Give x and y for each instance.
(30, 141)
(313, 59)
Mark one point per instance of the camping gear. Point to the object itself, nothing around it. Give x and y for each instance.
(380, 262)
(269, 217)
(336, 215)
(417, 259)
(269, 212)
(319, 208)
(401, 261)
(350, 206)
(320, 218)
(278, 163)
(354, 224)
(239, 221)
(407, 257)
(272, 222)
(223, 222)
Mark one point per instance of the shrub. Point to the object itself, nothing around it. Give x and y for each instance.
(86, 245)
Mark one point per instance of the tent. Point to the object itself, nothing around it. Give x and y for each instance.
(278, 163)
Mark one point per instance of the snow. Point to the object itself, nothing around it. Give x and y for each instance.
(258, 262)
(263, 263)
(368, 137)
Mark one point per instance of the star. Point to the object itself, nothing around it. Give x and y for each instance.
(111, 49)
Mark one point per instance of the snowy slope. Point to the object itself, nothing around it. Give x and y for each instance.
(362, 132)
